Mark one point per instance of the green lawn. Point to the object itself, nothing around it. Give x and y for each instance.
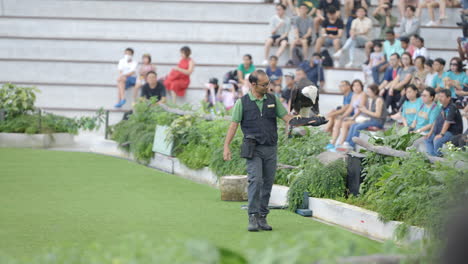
(51, 198)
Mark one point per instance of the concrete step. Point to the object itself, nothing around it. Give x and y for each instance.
(166, 52)
(436, 37)
(187, 10)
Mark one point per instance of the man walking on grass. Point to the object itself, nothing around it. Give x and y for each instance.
(256, 112)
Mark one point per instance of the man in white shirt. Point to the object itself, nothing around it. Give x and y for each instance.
(127, 78)
(280, 25)
(420, 49)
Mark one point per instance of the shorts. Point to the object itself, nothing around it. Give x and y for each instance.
(309, 41)
(361, 41)
(275, 37)
(131, 80)
(328, 42)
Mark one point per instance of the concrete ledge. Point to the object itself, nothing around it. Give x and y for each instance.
(279, 195)
(21, 140)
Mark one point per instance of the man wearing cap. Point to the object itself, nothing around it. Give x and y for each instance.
(256, 112)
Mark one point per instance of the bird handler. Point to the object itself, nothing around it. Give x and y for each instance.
(257, 112)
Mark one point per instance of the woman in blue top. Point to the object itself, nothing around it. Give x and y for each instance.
(456, 77)
(411, 106)
(427, 112)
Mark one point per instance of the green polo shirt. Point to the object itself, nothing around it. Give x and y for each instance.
(237, 110)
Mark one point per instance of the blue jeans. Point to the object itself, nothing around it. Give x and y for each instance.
(355, 129)
(376, 73)
(131, 80)
(433, 146)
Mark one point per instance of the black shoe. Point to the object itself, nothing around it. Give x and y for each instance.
(253, 223)
(290, 63)
(262, 223)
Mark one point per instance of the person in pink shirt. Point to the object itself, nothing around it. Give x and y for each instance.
(227, 95)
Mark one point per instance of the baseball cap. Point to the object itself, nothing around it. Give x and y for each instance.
(289, 74)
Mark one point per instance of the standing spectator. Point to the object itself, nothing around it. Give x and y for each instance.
(374, 111)
(419, 76)
(154, 88)
(302, 33)
(245, 68)
(127, 67)
(431, 5)
(322, 13)
(358, 99)
(178, 79)
(386, 21)
(279, 28)
(274, 72)
(286, 93)
(361, 33)
(410, 107)
(437, 81)
(390, 46)
(403, 78)
(448, 124)
(455, 78)
(420, 50)
(376, 58)
(144, 69)
(314, 70)
(428, 67)
(409, 24)
(427, 112)
(403, 4)
(390, 74)
(332, 30)
(336, 116)
(211, 92)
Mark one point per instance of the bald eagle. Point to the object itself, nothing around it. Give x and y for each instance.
(303, 99)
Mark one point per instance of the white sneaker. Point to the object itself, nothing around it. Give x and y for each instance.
(336, 64)
(349, 64)
(430, 23)
(265, 62)
(337, 54)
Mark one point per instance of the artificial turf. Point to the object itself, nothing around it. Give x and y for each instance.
(53, 198)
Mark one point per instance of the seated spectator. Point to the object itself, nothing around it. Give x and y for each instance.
(361, 33)
(211, 92)
(332, 30)
(154, 88)
(390, 46)
(419, 50)
(390, 73)
(279, 28)
(403, 78)
(427, 112)
(376, 58)
(178, 79)
(144, 69)
(314, 70)
(274, 72)
(411, 106)
(437, 81)
(419, 76)
(245, 68)
(286, 93)
(448, 124)
(227, 95)
(431, 5)
(336, 116)
(409, 25)
(127, 67)
(358, 100)
(462, 44)
(407, 46)
(403, 5)
(386, 21)
(428, 67)
(351, 6)
(374, 112)
(312, 6)
(455, 79)
(322, 13)
(302, 33)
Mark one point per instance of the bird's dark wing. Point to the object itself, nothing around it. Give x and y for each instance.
(294, 101)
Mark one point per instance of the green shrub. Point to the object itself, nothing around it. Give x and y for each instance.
(320, 181)
(15, 100)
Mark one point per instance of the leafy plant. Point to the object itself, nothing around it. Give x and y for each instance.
(16, 100)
